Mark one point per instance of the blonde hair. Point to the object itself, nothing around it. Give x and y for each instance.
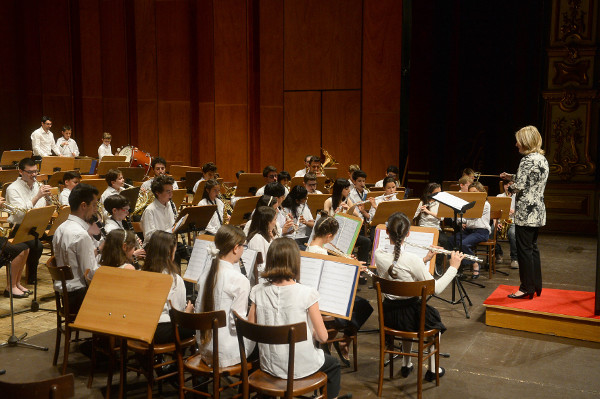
(353, 168)
(530, 140)
(106, 135)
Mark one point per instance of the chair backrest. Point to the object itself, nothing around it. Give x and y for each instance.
(273, 335)
(61, 274)
(53, 388)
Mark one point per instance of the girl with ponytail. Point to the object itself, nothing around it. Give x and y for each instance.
(224, 287)
(403, 313)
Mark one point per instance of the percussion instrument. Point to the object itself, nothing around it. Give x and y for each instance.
(136, 157)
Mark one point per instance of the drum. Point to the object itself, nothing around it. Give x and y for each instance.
(136, 157)
(126, 151)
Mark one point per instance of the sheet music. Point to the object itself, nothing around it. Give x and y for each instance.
(200, 260)
(384, 242)
(345, 235)
(421, 238)
(249, 259)
(179, 223)
(312, 231)
(336, 288)
(450, 200)
(310, 271)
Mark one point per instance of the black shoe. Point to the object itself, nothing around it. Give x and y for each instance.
(522, 296)
(405, 371)
(7, 295)
(538, 292)
(430, 376)
(345, 396)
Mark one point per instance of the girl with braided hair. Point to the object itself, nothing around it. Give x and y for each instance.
(402, 313)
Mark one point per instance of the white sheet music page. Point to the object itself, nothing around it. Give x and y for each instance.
(384, 242)
(310, 271)
(345, 235)
(420, 238)
(337, 287)
(249, 258)
(199, 260)
(179, 223)
(450, 200)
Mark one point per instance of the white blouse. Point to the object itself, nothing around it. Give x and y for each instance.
(217, 218)
(426, 219)
(260, 244)
(281, 305)
(176, 296)
(303, 229)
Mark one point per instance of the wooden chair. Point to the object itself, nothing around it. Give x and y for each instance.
(60, 387)
(489, 246)
(64, 316)
(426, 339)
(264, 383)
(335, 340)
(206, 321)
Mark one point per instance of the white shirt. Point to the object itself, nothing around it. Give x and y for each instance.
(68, 150)
(20, 195)
(216, 221)
(73, 247)
(315, 192)
(378, 200)
(43, 143)
(300, 173)
(197, 184)
(146, 186)
(176, 296)
(259, 244)
(426, 219)
(356, 197)
(409, 267)
(315, 249)
(157, 217)
(230, 293)
(380, 183)
(480, 223)
(107, 193)
(104, 150)
(261, 191)
(112, 224)
(303, 229)
(512, 200)
(281, 305)
(63, 198)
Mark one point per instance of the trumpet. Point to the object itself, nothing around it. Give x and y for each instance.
(53, 199)
(442, 251)
(383, 197)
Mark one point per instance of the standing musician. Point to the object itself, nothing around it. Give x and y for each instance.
(27, 193)
(68, 146)
(530, 211)
(310, 183)
(105, 148)
(159, 166)
(306, 168)
(42, 140)
(210, 196)
(209, 171)
(393, 172)
(70, 180)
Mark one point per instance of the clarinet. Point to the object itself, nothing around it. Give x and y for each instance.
(187, 249)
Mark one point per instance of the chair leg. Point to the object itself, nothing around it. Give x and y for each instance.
(93, 365)
(150, 373)
(57, 346)
(381, 361)
(354, 351)
(420, 372)
(66, 349)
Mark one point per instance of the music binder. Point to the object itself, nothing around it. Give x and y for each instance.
(335, 279)
(347, 234)
(458, 202)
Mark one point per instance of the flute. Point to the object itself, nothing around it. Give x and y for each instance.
(383, 197)
(332, 249)
(442, 251)
(125, 185)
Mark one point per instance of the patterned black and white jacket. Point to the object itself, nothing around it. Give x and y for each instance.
(530, 183)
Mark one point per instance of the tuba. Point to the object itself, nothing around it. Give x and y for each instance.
(327, 161)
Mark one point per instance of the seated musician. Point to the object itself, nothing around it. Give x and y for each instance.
(310, 183)
(510, 234)
(160, 259)
(389, 185)
(224, 287)
(426, 214)
(306, 168)
(209, 171)
(42, 140)
(16, 255)
(119, 246)
(66, 144)
(393, 172)
(114, 179)
(295, 207)
(160, 214)
(117, 207)
(314, 166)
(159, 166)
(403, 313)
(210, 196)
(270, 174)
(476, 230)
(105, 148)
(73, 245)
(469, 173)
(463, 183)
(70, 180)
(358, 193)
(27, 193)
(262, 232)
(351, 169)
(264, 200)
(284, 178)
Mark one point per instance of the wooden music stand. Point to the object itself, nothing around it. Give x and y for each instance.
(179, 171)
(12, 158)
(178, 197)
(331, 173)
(243, 206)
(57, 178)
(100, 184)
(197, 219)
(84, 165)
(474, 212)
(113, 158)
(63, 214)
(386, 208)
(132, 195)
(299, 181)
(248, 184)
(9, 176)
(133, 174)
(500, 204)
(200, 190)
(191, 177)
(105, 166)
(315, 203)
(49, 163)
(117, 304)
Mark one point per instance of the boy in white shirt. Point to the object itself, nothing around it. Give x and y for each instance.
(68, 146)
(393, 172)
(105, 148)
(70, 180)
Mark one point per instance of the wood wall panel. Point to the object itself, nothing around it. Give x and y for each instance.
(341, 127)
(232, 144)
(302, 128)
(173, 125)
(382, 45)
(9, 73)
(271, 82)
(322, 44)
(93, 121)
(207, 143)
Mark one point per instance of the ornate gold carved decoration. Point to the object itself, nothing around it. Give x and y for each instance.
(568, 134)
(571, 73)
(569, 101)
(573, 21)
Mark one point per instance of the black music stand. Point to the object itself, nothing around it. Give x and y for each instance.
(198, 218)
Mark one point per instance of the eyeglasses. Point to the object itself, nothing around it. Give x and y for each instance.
(31, 172)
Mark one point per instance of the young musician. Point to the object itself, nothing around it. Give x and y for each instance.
(224, 287)
(351, 169)
(476, 230)
(68, 146)
(389, 185)
(104, 148)
(118, 249)
(514, 262)
(117, 207)
(310, 183)
(358, 193)
(210, 196)
(284, 178)
(73, 245)
(314, 166)
(161, 253)
(261, 233)
(306, 168)
(159, 215)
(280, 300)
(16, 255)
(209, 171)
(70, 180)
(114, 179)
(27, 193)
(403, 313)
(464, 183)
(277, 192)
(426, 214)
(325, 229)
(270, 174)
(159, 166)
(42, 140)
(393, 172)
(295, 206)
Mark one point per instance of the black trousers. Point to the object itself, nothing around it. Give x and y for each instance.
(164, 333)
(331, 367)
(530, 268)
